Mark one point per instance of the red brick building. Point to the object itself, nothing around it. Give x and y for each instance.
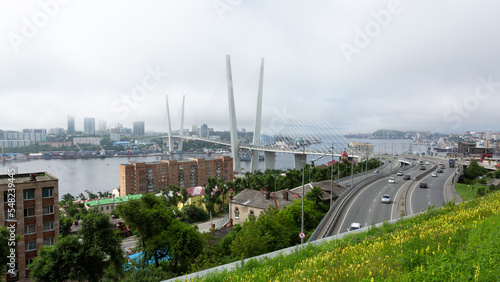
(139, 178)
(36, 216)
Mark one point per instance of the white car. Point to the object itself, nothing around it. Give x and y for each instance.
(400, 173)
(426, 163)
(391, 180)
(434, 174)
(386, 199)
(354, 226)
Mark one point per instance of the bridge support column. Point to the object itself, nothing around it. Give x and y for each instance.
(300, 160)
(269, 160)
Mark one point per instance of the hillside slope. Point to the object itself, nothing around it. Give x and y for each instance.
(457, 242)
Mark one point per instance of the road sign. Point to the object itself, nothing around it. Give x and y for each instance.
(302, 235)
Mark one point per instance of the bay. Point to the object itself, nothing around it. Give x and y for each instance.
(77, 175)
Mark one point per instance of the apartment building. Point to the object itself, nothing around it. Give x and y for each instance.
(140, 178)
(31, 209)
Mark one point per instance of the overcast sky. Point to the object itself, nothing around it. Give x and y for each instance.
(356, 66)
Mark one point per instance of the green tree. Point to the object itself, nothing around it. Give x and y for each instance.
(65, 224)
(91, 195)
(185, 195)
(82, 197)
(68, 197)
(474, 170)
(251, 241)
(315, 196)
(70, 258)
(4, 248)
(97, 230)
(160, 235)
(184, 245)
(194, 213)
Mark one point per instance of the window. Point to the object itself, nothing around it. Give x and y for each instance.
(29, 212)
(29, 229)
(31, 246)
(28, 262)
(47, 193)
(236, 213)
(5, 197)
(48, 241)
(252, 213)
(48, 226)
(102, 208)
(48, 209)
(107, 208)
(29, 194)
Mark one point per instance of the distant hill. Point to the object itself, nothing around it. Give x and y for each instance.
(388, 134)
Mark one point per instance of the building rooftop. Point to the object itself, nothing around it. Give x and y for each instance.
(179, 161)
(325, 186)
(115, 200)
(257, 199)
(25, 177)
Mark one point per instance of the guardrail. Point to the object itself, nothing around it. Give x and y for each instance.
(422, 175)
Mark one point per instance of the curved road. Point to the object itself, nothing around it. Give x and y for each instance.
(365, 207)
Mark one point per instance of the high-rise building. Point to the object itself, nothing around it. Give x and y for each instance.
(103, 125)
(71, 124)
(30, 209)
(204, 131)
(89, 126)
(194, 129)
(138, 128)
(140, 178)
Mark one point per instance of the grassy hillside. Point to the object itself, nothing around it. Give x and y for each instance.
(455, 243)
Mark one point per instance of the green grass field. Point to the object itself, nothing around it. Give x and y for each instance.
(468, 192)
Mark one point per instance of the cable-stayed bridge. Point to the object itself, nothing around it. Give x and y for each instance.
(279, 129)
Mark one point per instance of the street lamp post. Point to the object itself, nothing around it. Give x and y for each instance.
(303, 193)
(331, 176)
(303, 196)
(275, 183)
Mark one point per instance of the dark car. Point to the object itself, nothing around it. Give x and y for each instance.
(407, 177)
(423, 185)
(440, 171)
(422, 167)
(442, 166)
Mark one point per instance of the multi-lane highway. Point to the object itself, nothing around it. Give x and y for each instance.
(419, 199)
(365, 207)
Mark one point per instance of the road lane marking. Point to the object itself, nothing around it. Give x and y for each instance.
(352, 202)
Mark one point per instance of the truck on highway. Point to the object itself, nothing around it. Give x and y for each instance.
(452, 162)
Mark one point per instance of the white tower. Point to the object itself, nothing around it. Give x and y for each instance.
(182, 124)
(235, 147)
(254, 165)
(170, 147)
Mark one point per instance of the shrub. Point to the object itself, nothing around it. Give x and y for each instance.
(481, 191)
(195, 213)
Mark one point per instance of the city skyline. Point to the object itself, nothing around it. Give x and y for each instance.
(359, 67)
